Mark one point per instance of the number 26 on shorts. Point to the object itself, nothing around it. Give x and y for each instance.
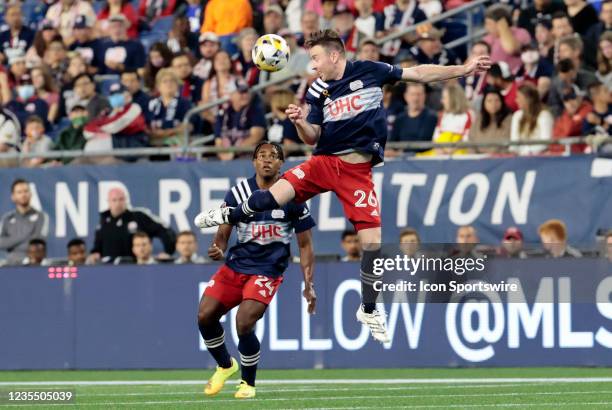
(361, 199)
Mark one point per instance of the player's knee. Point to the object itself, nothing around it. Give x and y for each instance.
(206, 317)
(245, 322)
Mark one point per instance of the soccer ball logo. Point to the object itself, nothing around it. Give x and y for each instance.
(271, 52)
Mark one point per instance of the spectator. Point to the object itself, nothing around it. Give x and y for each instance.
(368, 50)
(55, 59)
(131, 81)
(24, 223)
(10, 135)
(77, 252)
(226, 19)
(209, 45)
(274, 19)
(344, 23)
(553, 235)
(561, 26)
(582, 15)
(467, 240)
(571, 47)
(505, 41)
(243, 61)
(86, 44)
(512, 244)
(604, 60)
(417, 122)
(46, 90)
(569, 124)
(37, 253)
(125, 122)
(119, 52)
(16, 39)
(409, 242)
(366, 20)
(160, 57)
(165, 113)
(242, 123)
(567, 75)
(474, 84)
(67, 94)
(142, 248)
(221, 83)
(456, 119)
(190, 85)
(180, 37)
(594, 34)
(63, 15)
(501, 77)
(27, 102)
(397, 17)
(429, 49)
(492, 124)
(35, 142)
(531, 122)
(608, 245)
(5, 89)
(299, 60)
(187, 248)
(113, 237)
(150, 10)
(545, 40)
(282, 130)
(599, 121)
(71, 138)
(540, 9)
(17, 69)
(86, 95)
(535, 69)
(309, 23)
(350, 245)
(115, 8)
(431, 8)
(47, 32)
(328, 7)
(195, 14)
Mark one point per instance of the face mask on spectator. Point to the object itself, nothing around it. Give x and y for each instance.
(79, 122)
(117, 100)
(25, 91)
(530, 57)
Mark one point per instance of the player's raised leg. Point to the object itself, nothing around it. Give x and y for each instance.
(249, 312)
(209, 314)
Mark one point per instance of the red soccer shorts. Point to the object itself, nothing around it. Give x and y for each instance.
(352, 184)
(230, 287)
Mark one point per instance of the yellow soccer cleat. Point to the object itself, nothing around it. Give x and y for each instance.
(245, 391)
(216, 382)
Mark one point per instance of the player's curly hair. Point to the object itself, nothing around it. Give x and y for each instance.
(277, 148)
(328, 39)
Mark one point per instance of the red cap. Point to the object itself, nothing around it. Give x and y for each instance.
(513, 233)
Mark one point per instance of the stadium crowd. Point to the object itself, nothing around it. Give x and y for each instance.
(96, 76)
(118, 74)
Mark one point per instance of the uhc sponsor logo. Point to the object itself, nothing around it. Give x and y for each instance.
(351, 105)
(345, 104)
(266, 231)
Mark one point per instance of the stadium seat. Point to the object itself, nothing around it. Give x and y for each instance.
(162, 25)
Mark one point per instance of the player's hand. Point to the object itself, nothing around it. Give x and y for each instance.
(294, 113)
(476, 65)
(311, 297)
(215, 253)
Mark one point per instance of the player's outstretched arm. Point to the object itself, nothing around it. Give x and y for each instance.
(307, 263)
(426, 73)
(309, 133)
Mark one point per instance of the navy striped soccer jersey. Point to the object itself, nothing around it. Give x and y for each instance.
(263, 245)
(350, 110)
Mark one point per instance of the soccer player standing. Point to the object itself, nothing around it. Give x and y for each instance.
(253, 271)
(346, 121)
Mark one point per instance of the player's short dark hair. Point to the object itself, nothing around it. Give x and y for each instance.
(185, 233)
(141, 234)
(566, 65)
(277, 148)
(75, 242)
(409, 231)
(17, 182)
(348, 232)
(38, 241)
(499, 12)
(328, 39)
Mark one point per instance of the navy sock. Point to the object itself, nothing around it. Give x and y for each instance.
(259, 201)
(368, 278)
(248, 346)
(214, 338)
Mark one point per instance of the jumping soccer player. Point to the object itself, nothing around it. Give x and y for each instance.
(346, 121)
(253, 271)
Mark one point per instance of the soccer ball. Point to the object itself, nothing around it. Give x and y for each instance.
(271, 52)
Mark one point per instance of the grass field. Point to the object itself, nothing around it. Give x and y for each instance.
(548, 388)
